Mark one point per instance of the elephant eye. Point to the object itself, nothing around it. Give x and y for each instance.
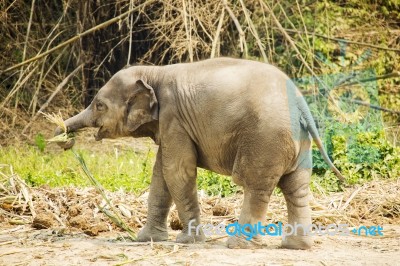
(100, 106)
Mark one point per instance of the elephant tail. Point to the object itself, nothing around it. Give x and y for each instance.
(312, 129)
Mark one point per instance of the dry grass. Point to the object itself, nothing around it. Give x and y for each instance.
(58, 121)
(377, 202)
(67, 207)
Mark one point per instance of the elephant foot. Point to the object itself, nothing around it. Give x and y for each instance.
(154, 233)
(297, 242)
(185, 238)
(240, 242)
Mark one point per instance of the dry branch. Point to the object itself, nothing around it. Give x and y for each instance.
(17, 86)
(289, 39)
(113, 214)
(291, 42)
(188, 31)
(345, 40)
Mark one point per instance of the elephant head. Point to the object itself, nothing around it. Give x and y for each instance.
(124, 106)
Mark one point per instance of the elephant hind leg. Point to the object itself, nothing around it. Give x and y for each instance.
(254, 210)
(295, 188)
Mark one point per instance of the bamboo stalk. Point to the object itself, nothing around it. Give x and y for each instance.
(78, 36)
(114, 215)
(217, 33)
(242, 36)
(55, 92)
(188, 31)
(130, 34)
(28, 30)
(253, 30)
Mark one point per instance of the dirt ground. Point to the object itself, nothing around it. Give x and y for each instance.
(25, 246)
(74, 237)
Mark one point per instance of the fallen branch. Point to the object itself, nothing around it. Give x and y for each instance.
(376, 107)
(343, 83)
(174, 250)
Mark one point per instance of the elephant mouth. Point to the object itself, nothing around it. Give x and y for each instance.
(104, 133)
(99, 135)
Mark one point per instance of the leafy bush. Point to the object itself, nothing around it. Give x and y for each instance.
(365, 156)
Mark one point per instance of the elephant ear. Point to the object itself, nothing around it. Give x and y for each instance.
(142, 106)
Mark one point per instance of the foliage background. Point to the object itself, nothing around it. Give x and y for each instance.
(302, 37)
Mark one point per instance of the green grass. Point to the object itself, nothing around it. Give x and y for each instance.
(114, 170)
(119, 169)
(361, 158)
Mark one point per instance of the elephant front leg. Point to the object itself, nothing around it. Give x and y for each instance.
(295, 188)
(180, 171)
(159, 203)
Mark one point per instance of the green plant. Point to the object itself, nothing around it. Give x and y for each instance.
(361, 157)
(112, 213)
(215, 184)
(40, 142)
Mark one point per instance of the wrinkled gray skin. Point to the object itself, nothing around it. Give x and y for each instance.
(234, 117)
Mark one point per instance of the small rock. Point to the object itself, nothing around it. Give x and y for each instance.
(96, 229)
(43, 221)
(219, 210)
(175, 223)
(70, 193)
(80, 222)
(74, 210)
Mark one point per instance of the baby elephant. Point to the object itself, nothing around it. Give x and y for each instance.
(235, 117)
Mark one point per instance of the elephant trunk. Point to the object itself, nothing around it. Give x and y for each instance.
(81, 120)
